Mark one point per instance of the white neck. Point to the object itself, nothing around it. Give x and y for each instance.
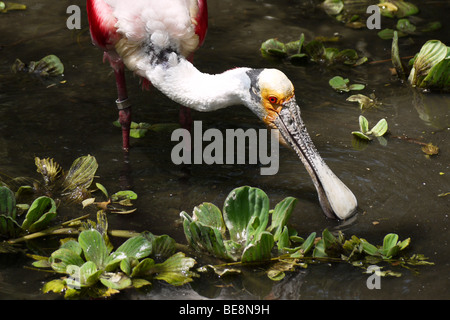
(178, 79)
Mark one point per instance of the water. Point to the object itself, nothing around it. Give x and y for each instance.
(396, 185)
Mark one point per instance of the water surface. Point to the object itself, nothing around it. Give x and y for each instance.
(397, 186)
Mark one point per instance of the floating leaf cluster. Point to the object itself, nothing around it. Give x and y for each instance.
(119, 202)
(246, 234)
(431, 66)
(404, 28)
(49, 66)
(91, 268)
(6, 6)
(254, 238)
(342, 85)
(298, 52)
(377, 131)
(38, 214)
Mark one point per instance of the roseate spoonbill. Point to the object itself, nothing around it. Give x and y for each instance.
(156, 39)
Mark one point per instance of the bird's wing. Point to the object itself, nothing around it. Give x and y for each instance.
(199, 16)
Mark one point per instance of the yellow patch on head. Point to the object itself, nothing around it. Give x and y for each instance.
(276, 89)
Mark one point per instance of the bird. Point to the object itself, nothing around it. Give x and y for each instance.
(156, 40)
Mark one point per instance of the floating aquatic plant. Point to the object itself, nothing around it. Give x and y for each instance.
(397, 8)
(377, 131)
(49, 66)
(6, 6)
(429, 69)
(431, 66)
(72, 185)
(405, 28)
(342, 85)
(365, 102)
(298, 51)
(248, 233)
(91, 268)
(246, 218)
(119, 202)
(38, 215)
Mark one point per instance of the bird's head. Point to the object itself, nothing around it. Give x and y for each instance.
(271, 97)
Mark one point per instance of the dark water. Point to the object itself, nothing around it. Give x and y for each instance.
(396, 185)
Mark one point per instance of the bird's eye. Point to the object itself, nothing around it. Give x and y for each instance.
(273, 100)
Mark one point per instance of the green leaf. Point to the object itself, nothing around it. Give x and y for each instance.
(163, 247)
(137, 247)
(102, 189)
(9, 227)
(404, 8)
(64, 257)
(94, 247)
(273, 48)
(281, 215)
(123, 195)
(201, 237)
(56, 286)
(403, 25)
(338, 83)
(332, 247)
(389, 241)
(84, 276)
(429, 56)
(73, 246)
(7, 203)
(81, 173)
(315, 50)
(240, 207)
(175, 270)
(117, 281)
(283, 239)
(333, 7)
(364, 101)
(319, 249)
(209, 215)
(363, 124)
(40, 213)
(395, 57)
(356, 87)
(361, 135)
(379, 129)
(259, 250)
(405, 243)
(309, 243)
(368, 248)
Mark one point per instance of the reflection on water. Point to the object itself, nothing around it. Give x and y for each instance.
(396, 185)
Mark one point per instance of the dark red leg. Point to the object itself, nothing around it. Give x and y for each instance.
(124, 107)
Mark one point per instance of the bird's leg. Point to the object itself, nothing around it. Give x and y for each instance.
(124, 106)
(185, 118)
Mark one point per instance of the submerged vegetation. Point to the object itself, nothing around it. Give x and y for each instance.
(247, 233)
